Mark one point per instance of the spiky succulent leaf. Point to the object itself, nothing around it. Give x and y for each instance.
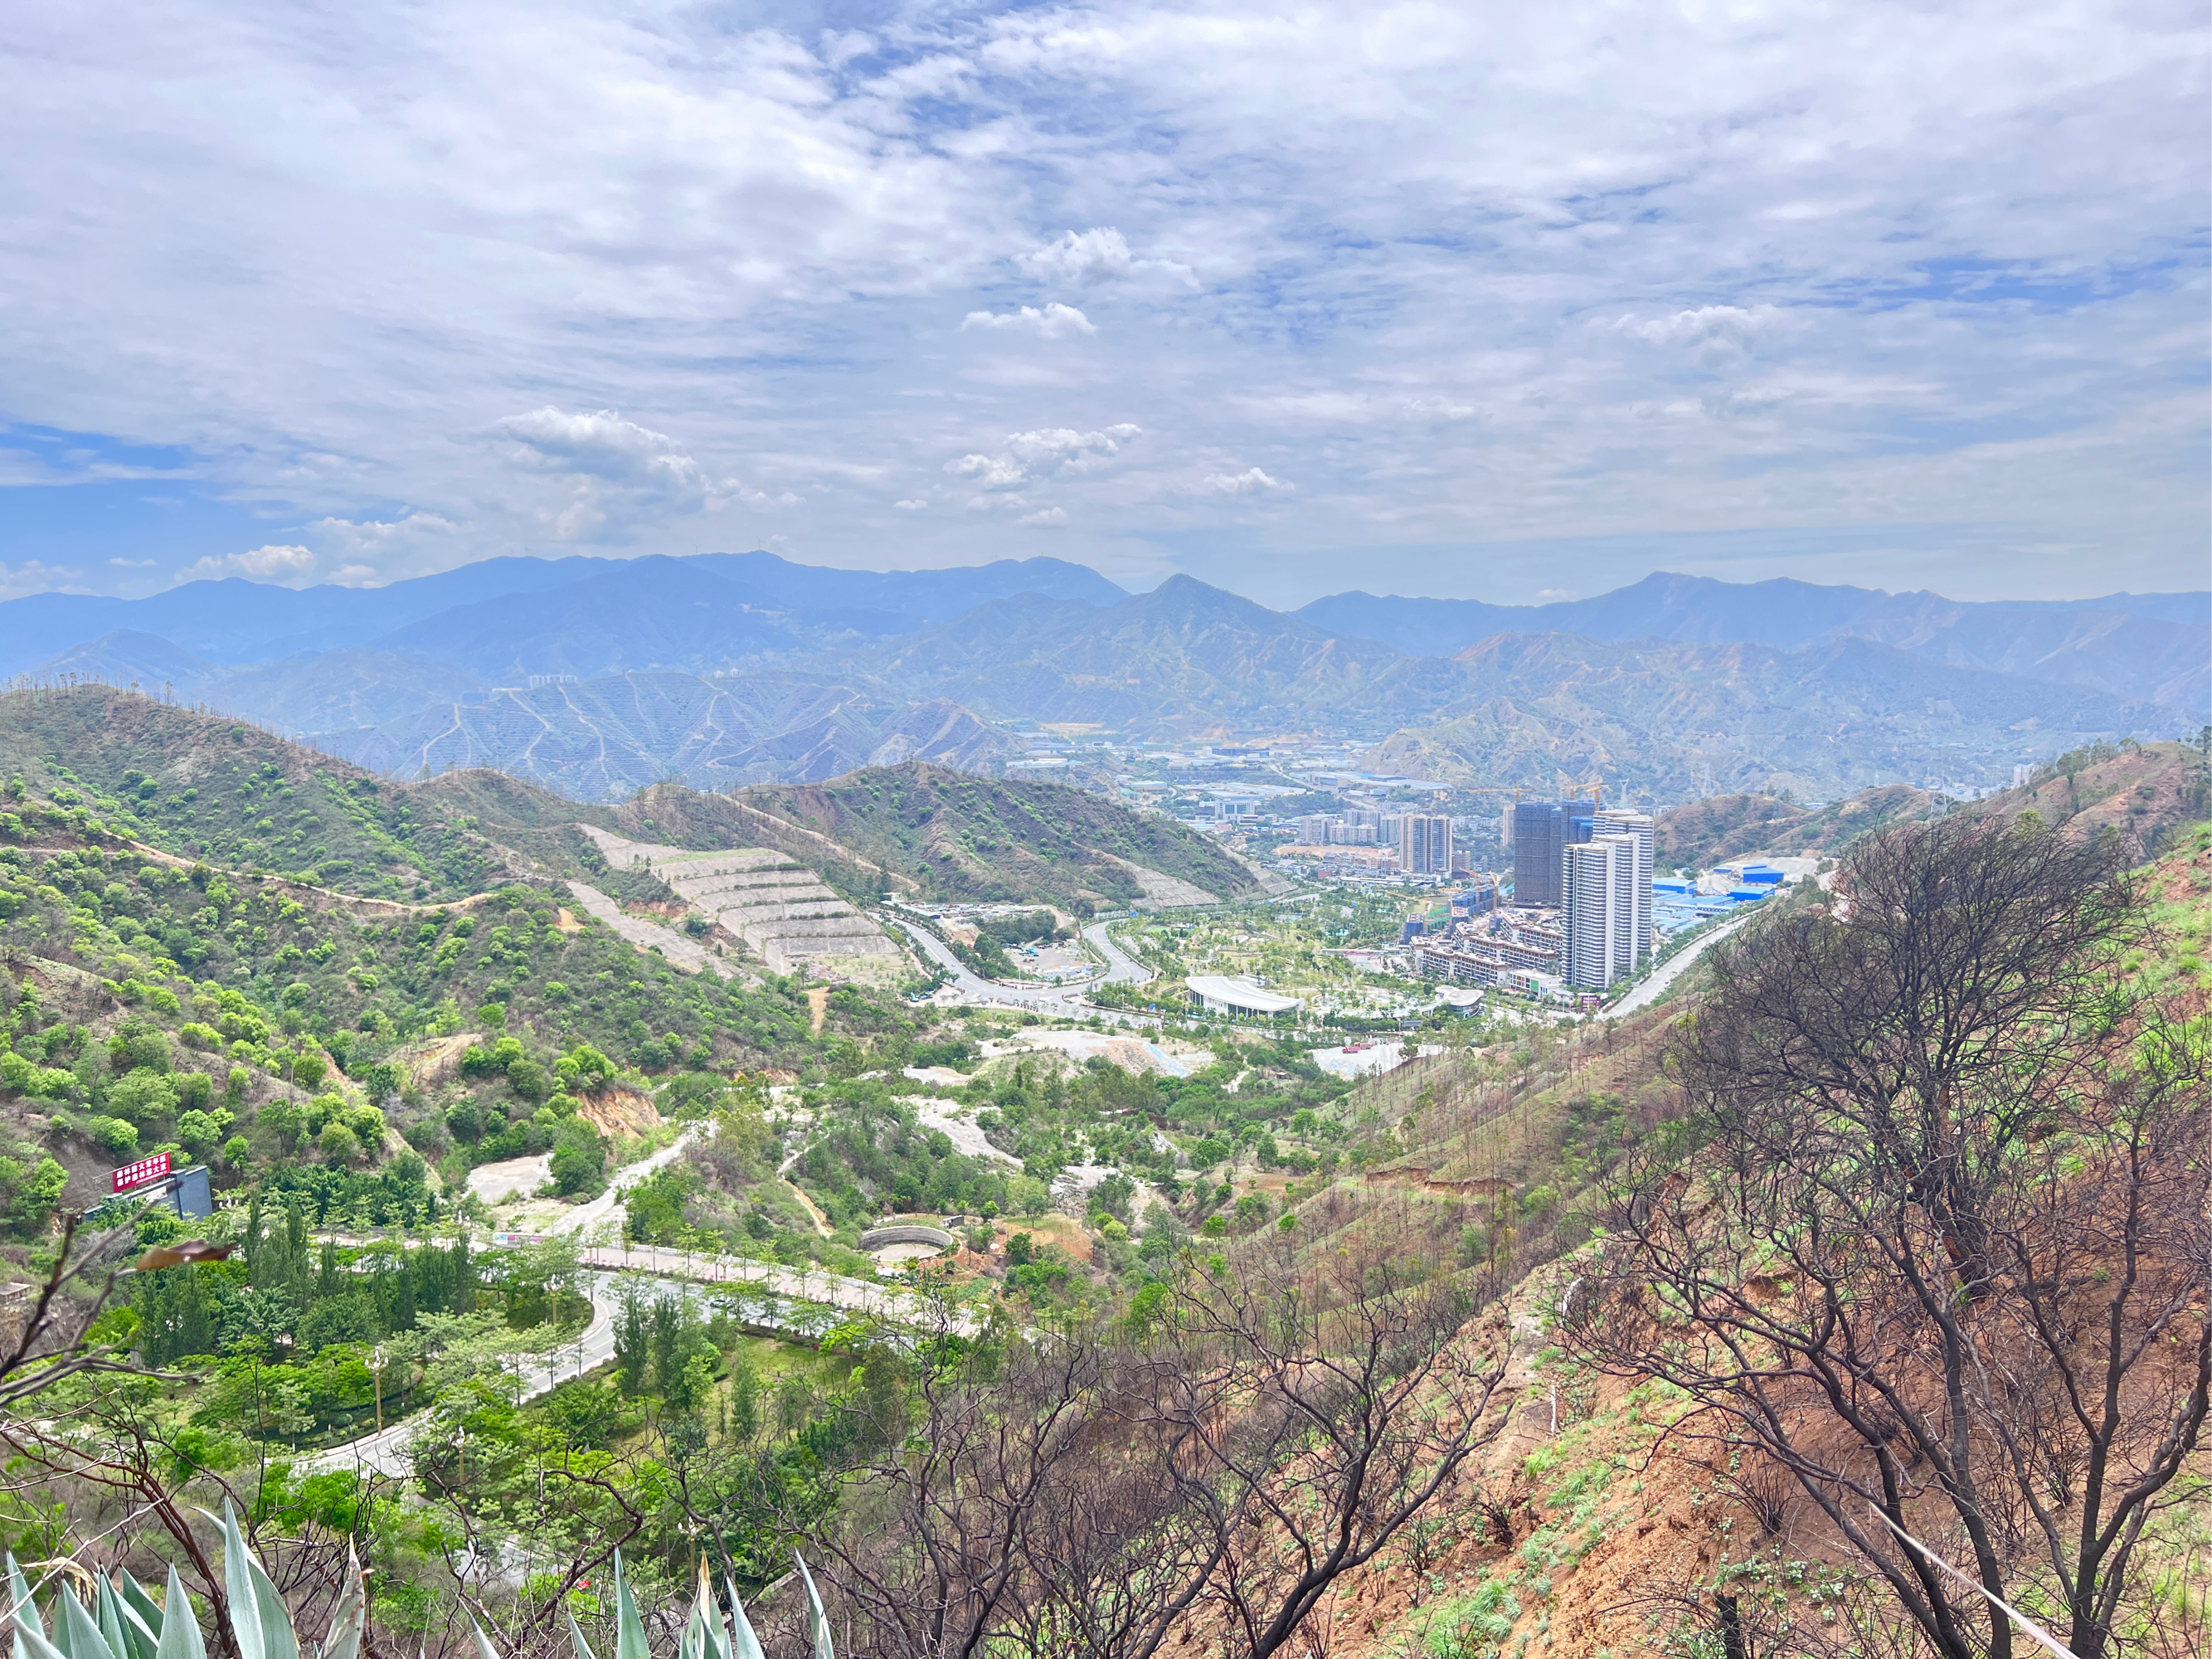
(818, 1622)
(278, 1639)
(180, 1629)
(31, 1642)
(704, 1635)
(21, 1609)
(245, 1625)
(80, 1631)
(576, 1635)
(485, 1648)
(629, 1629)
(118, 1626)
(141, 1619)
(135, 1597)
(352, 1613)
(744, 1644)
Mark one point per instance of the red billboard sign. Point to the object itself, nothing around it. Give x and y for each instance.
(138, 1174)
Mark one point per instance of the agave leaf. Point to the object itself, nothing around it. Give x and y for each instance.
(818, 1622)
(114, 1628)
(629, 1629)
(346, 1622)
(278, 1641)
(744, 1644)
(245, 1624)
(137, 1606)
(704, 1634)
(576, 1635)
(81, 1630)
(485, 1648)
(31, 1642)
(21, 1609)
(180, 1629)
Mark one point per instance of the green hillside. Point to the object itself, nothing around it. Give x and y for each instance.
(958, 836)
(207, 787)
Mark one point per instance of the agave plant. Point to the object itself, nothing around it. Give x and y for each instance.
(125, 1622)
(705, 1635)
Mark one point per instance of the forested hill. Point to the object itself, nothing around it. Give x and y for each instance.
(205, 786)
(960, 836)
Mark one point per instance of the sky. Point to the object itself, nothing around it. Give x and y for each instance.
(1478, 300)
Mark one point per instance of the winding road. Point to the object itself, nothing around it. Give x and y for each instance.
(390, 1451)
(973, 989)
(1120, 968)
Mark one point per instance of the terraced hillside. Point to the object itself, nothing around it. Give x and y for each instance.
(777, 906)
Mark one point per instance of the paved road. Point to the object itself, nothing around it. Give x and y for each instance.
(1120, 968)
(1644, 994)
(390, 1452)
(1042, 1001)
(584, 1218)
(1070, 1004)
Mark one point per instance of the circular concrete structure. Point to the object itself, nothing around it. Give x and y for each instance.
(907, 1232)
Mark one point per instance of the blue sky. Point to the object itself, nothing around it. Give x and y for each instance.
(1498, 301)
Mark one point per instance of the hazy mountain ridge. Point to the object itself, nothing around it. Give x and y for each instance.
(1679, 718)
(593, 738)
(2157, 648)
(728, 668)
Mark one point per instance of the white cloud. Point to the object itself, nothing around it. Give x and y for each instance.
(1242, 484)
(1573, 274)
(134, 564)
(1100, 255)
(910, 507)
(372, 541)
(989, 471)
(36, 576)
(1700, 326)
(284, 564)
(601, 469)
(1054, 322)
(1048, 450)
(1050, 515)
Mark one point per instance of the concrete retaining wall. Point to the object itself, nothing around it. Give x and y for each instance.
(907, 1232)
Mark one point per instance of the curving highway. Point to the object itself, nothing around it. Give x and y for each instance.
(1644, 994)
(1122, 969)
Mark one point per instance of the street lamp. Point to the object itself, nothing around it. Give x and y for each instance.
(376, 1370)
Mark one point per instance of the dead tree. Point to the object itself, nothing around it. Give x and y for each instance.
(1942, 1251)
(1216, 1467)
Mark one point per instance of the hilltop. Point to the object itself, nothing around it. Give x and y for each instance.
(956, 835)
(2141, 792)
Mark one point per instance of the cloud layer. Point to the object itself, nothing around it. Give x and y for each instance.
(1907, 295)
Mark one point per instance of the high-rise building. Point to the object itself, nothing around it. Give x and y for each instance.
(1538, 836)
(1643, 831)
(1313, 831)
(1599, 909)
(1424, 845)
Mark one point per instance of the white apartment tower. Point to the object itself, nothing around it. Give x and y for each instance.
(1424, 845)
(1598, 904)
(1640, 828)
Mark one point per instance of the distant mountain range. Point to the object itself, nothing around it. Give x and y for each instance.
(597, 676)
(2154, 646)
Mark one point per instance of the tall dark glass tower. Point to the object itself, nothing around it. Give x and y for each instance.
(1539, 832)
